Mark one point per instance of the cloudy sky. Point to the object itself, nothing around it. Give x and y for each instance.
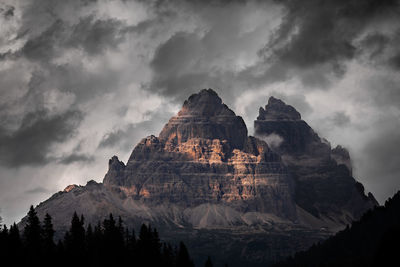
(83, 80)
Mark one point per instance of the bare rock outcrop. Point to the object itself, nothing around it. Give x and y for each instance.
(323, 177)
(203, 155)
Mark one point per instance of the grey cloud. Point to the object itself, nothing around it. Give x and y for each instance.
(205, 57)
(7, 11)
(384, 90)
(314, 42)
(96, 35)
(382, 158)
(31, 143)
(177, 66)
(126, 137)
(50, 30)
(43, 47)
(315, 33)
(340, 119)
(91, 35)
(374, 44)
(112, 138)
(76, 158)
(395, 61)
(177, 54)
(37, 190)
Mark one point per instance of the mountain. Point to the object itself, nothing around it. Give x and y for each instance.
(371, 241)
(203, 180)
(324, 186)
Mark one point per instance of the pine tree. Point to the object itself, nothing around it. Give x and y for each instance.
(168, 255)
(48, 233)
(183, 257)
(14, 243)
(75, 238)
(208, 262)
(4, 247)
(33, 237)
(15, 239)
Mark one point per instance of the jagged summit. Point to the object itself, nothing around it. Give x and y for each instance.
(276, 109)
(323, 177)
(203, 115)
(205, 103)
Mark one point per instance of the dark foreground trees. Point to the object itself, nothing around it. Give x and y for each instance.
(371, 241)
(108, 243)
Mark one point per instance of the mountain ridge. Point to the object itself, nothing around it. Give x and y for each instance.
(205, 174)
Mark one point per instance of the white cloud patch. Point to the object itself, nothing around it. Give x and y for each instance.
(273, 140)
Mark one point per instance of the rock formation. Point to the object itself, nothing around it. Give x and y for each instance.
(324, 185)
(204, 173)
(204, 156)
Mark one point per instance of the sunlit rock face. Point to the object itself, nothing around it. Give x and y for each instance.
(203, 155)
(204, 116)
(323, 176)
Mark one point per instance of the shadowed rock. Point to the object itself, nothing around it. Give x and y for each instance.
(324, 185)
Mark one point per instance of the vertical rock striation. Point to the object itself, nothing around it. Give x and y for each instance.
(203, 155)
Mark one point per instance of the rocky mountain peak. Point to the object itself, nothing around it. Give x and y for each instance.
(317, 169)
(276, 109)
(115, 166)
(70, 187)
(205, 116)
(205, 103)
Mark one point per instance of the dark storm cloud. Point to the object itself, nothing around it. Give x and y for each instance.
(178, 65)
(32, 142)
(321, 32)
(374, 44)
(315, 41)
(43, 47)
(191, 59)
(91, 35)
(41, 127)
(94, 36)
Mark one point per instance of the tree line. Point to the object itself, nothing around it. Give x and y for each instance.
(371, 241)
(109, 243)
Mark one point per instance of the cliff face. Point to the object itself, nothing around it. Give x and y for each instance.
(204, 156)
(203, 178)
(323, 176)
